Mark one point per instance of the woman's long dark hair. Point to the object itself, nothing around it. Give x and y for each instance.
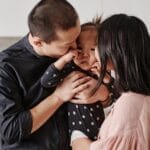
(124, 40)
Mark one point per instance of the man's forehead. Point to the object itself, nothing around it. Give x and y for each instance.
(68, 37)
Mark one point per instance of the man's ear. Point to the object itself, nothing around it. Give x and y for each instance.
(37, 42)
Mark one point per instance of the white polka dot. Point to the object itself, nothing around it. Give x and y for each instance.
(47, 72)
(49, 83)
(73, 67)
(85, 107)
(80, 122)
(69, 131)
(73, 123)
(77, 106)
(98, 118)
(74, 113)
(88, 130)
(91, 109)
(92, 123)
(97, 106)
(91, 114)
(83, 116)
(68, 113)
(54, 75)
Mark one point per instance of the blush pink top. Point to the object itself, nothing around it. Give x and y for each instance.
(127, 127)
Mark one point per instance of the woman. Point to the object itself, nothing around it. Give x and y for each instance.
(124, 47)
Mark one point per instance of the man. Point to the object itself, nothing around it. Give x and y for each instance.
(32, 117)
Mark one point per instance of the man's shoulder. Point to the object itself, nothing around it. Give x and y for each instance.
(12, 51)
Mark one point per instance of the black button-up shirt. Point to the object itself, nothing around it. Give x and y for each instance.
(20, 90)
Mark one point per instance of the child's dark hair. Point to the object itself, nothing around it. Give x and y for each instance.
(91, 24)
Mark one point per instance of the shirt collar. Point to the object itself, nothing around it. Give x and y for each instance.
(29, 47)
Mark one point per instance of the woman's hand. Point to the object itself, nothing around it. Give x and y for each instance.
(85, 97)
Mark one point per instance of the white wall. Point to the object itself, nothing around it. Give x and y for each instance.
(13, 13)
(140, 8)
(13, 16)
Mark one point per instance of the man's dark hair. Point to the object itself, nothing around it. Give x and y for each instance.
(51, 15)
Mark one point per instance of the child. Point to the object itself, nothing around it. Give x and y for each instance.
(83, 60)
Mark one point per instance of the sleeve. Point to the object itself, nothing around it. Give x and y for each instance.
(86, 118)
(120, 142)
(15, 121)
(51, 77)
(77, 134)
(122, 128)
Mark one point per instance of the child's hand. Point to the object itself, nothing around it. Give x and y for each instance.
(70, 55)
(62, 61)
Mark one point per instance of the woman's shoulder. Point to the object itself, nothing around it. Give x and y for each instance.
(128, 107)
(131, 100)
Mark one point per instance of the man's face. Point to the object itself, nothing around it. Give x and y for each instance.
(66, 40)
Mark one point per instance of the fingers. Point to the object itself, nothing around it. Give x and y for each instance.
(73, 53)
(77, 101)
(80, 81)
(75, 75)
(69, 56)
(80, 88)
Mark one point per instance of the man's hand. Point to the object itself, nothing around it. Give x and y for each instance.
(71, 85)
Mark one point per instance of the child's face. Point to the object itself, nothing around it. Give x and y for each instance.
(86, 44)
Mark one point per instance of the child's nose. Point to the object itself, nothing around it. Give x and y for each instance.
(85, 54)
